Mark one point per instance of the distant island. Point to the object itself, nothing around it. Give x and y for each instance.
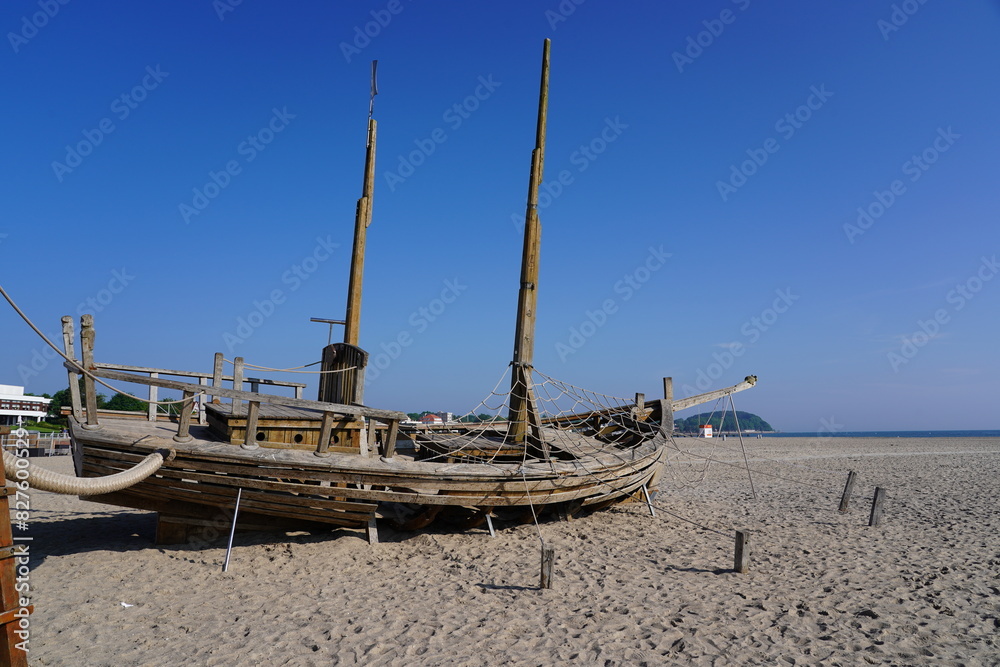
(748, 422)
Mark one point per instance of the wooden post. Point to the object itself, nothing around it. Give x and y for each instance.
(237, 384)
(389, 444)
(741, 559)
(217, 371)
(848, 490)
(153, 396)
(184, 423)
(12, 613)
(640, 405)
(74, 378)
(250, 439)
(87, 352)
(202, 417)
(548, 561)
(527, 299)
(877, 502)
(667, 416)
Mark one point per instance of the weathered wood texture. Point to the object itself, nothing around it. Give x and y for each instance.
(741, 556)
(527, 298)
(548, 563)
(343, 374)
(362, 219)
(845, 499)
(878, 501)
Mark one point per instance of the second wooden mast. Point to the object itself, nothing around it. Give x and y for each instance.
(523, 415)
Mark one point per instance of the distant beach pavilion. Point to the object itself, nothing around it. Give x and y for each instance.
(15, 407)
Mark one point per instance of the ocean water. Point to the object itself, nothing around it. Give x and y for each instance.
(889, 434)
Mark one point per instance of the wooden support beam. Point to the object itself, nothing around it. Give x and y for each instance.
(389, 444)
(741, 557)
(877, 502)
(237, 383)
(184, 421)
(325, 433)
(848, 490)
(74, 378)
(250, 434)
(87, 352)
(667, 411)
(153, 397)
(217, 368)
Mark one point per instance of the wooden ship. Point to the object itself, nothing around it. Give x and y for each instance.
(287, 462)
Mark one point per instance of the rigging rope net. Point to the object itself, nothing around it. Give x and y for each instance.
(571, 423)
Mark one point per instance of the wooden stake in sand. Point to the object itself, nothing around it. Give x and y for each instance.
(548, 560)
(877, 501)
(848, 490)
(741, 559)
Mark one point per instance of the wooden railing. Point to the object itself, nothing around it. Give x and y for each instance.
(85, 406)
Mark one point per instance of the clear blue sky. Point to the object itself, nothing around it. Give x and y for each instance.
(820, 108)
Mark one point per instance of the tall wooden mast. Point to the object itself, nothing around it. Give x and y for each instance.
(362, 219)
(523, 414)
(343, 364)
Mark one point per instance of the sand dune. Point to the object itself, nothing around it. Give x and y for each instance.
(922, 588)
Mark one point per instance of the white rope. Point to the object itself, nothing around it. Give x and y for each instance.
(76, 364)
(293, 368)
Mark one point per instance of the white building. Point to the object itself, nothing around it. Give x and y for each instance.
(16, 407)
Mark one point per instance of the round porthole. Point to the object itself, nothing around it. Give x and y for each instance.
(297, 438)
(261, 436)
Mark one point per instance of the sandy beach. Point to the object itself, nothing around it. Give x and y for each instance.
(629, 589)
